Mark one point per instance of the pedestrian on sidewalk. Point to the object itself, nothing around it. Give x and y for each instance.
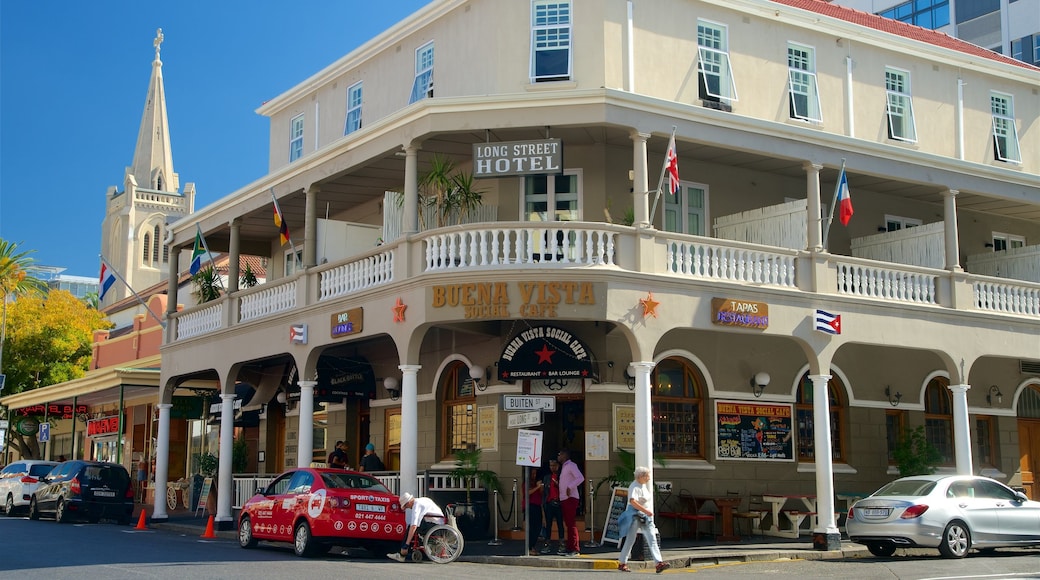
(371, 462)
(570, 479)
(552, 508)
(534, 490)
(639, 517)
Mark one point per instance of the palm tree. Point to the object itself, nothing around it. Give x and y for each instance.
(14, 281)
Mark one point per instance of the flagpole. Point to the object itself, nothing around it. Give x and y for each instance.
(212, 262)
(660, 182)
(296, 261)
(834, 201)
(128, 287)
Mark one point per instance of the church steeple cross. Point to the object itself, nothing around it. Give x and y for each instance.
(158, 41)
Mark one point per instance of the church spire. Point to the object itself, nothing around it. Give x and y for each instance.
(153, 160)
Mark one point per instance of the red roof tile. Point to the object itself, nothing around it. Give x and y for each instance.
(903, 29)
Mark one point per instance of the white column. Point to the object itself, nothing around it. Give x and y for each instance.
(310, 226)
(823, 445)
(162, 461)
(953, 250)
(812, 206)
(409, 428)
(234, 255)
(961, 429)
(644, 416)
(410, 219)
(640, 180)
(227, 439)
(305, 440)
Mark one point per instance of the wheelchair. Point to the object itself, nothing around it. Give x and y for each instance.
(442, 544)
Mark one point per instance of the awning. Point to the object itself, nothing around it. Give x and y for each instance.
(139, 383)
(243, 418)
(341, 378)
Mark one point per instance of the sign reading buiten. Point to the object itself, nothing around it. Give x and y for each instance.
(480, 300)
(517, 158)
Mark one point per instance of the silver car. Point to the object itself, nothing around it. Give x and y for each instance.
(19, 480)
(953, 513)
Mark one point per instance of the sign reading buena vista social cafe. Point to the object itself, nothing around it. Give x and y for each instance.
(482, 300)
(517, 158)
(545, 352)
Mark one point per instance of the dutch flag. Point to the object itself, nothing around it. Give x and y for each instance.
(107, 279)
(827, 322)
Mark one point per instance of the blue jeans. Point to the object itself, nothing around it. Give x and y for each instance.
(649, 536)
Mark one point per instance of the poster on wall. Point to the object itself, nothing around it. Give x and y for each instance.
(487, 428)
(754, 431)
(625, 427)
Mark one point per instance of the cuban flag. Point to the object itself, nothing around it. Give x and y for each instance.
(298, 334)
(844, 200)
(827, 322)
(672, 166)
(107, 279)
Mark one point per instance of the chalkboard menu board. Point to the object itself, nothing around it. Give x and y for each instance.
(754, 431)
(618, 503)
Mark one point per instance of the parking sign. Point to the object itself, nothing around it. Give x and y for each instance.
(45, 432)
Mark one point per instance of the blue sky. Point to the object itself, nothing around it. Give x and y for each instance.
(73, 78)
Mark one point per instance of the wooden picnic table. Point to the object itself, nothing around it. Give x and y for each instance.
(795, 516)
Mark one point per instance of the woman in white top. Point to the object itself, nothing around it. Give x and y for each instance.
(639, 517)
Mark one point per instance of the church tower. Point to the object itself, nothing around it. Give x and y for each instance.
(133, 232)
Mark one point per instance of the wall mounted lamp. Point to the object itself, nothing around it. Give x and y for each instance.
(987, 245)
(280, 397)
(994, 394)
(759, 382)
(630, 379)
(392, 387)
(477, 372)
(893, 399)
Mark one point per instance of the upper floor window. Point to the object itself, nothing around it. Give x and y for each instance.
(1005, 136)
(805, 97)
(550, 41)
(938, 418)
(713, 67)
(156, 235)
(685, 210)
(806, 420)
(894, 223)
(924, 13)
(552, 198)
(353, 122)
(146, 249)
(677, 401)
(296, 138)
(422, 88)
(1007, 241)
(899, 106)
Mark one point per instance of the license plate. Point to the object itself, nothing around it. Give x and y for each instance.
(105, 493)
(876, 512)
(364, 507)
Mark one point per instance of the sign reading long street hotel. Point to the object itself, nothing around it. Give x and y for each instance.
(517, 158)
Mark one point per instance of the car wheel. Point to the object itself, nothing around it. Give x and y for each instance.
(34, 510)
(245, 533)
(303, 542)
(956, 540)
(60, 515)
(9, 506)
(882, 549)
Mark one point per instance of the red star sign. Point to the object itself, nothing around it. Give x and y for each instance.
(399, 309)
(649, 305)
(545, 355)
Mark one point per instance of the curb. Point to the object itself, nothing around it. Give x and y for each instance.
(590, 563)
(192, 530)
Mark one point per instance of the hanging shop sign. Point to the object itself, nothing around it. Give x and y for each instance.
(745, 313)
(348, 322)
(491, 300)
(26, 425)
(545, 352)
(542, 156)
(339, 378)
(103, 426)
(756, 431)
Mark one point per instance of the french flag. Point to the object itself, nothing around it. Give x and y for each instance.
(827, 322)
(107, 279)
(844, 200)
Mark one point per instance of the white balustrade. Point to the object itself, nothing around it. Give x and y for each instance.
(1001, 296)
(474, 247)
(367, 272)
(200, 321)
(699, 259)
(277, 298)
(871, 281)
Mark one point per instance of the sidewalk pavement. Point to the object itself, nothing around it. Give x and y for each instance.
(682, 553)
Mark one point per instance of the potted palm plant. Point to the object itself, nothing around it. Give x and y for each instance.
(474, 517)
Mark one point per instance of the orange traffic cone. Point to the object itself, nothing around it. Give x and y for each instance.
(141, 525)
(209, 529)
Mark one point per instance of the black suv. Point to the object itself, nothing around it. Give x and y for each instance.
(85, 490)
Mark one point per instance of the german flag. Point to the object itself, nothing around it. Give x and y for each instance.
(279, 221)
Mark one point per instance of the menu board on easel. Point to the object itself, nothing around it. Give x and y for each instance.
(754, 431)
(207, 484)
(618, 503)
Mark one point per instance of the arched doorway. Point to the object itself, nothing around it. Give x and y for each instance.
(1029, 440)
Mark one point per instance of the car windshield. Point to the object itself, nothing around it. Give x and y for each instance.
(40, 469)
(910, 487)
(352, 481)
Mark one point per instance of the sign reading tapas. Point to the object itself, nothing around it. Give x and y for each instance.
(347, 323)
(517, 158)
(730, 312)
(545, 352)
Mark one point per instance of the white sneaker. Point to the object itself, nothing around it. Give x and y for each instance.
(395, 556)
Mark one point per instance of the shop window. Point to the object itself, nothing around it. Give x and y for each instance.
(459, 408)
(804, 416)
(678, 409)
(985, 441)
(938, 417)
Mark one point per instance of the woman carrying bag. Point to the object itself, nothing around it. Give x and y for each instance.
(639, 517)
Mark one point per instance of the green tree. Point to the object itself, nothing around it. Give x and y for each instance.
(914, 454)
(14, 281)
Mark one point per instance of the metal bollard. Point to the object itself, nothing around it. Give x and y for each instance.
(516, 506)
(494, 517)
(591, 525)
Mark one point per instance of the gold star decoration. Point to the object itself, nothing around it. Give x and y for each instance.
(649, 305)
(399, 309)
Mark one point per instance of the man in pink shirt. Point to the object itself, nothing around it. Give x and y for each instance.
(570, 479)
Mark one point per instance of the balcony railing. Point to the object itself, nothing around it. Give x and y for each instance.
(571, 244)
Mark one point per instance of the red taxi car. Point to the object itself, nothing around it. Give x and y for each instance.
(317, 509)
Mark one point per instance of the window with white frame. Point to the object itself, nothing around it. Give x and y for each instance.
(1005, 136)
(894, 223)
(899, 106)
(713, 66)
(422, 88)
(553, 198)
(685, 210)
(293, 261)
(1003, 241)
(550, 41)
(805, 97)
(353, 122)
(296, 138)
